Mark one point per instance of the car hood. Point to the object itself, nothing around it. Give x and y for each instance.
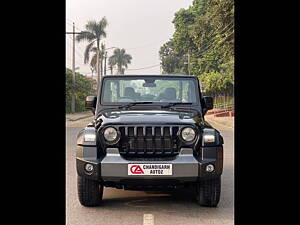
(149, 117)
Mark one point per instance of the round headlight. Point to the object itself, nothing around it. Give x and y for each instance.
(188, 134)
(110, 134)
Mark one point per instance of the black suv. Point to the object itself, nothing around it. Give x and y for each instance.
(149, 133)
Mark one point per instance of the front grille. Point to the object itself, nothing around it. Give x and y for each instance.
(149, 141)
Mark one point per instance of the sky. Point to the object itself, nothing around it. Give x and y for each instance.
(141, 27)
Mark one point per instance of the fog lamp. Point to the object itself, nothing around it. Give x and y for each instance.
(88, 167)
(210, 168)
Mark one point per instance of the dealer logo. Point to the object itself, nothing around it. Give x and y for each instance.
(136, 169)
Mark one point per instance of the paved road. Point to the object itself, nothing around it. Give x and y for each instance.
(135, 207)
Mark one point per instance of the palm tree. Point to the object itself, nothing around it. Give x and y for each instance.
(94, 32)
(121, 59)
(110, 65)
(102, 54)
(93, 62)
(92, 68)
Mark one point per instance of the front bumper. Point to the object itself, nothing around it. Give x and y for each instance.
(185, 166)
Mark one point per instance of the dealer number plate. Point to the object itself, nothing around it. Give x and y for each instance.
(150, 169)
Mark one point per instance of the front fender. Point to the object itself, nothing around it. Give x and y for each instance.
(87, 150)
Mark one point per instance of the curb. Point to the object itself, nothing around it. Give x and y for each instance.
(83, 117)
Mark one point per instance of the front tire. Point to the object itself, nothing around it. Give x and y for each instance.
(208, 192)
(90, 192)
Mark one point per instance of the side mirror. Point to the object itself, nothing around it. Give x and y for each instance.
(208, 103)
(90, 103)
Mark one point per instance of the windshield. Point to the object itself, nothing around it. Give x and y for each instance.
(149, 89)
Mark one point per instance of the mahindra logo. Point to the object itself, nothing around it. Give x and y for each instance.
(136, 169)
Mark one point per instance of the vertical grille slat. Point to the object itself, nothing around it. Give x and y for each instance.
(149, 140)
(135, 131)
(162, 140)
(162, 131)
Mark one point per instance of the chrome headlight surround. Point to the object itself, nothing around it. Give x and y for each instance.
(87, 136)
(108, 131)
(191, 132)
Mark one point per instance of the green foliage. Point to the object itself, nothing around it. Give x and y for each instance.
(182, 22)
(217, 83)
(83, 88)
(172, 62)
(205, 31)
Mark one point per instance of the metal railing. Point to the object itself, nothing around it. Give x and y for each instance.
(227, 106)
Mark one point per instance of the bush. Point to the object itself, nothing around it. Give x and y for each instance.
(217, 84)
(83, 88)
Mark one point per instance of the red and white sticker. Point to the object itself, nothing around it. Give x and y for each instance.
(150, 169)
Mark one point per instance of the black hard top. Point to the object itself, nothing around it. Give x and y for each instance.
(156, 75)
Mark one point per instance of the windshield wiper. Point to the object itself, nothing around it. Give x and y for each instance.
(176, 103)
(133, 104)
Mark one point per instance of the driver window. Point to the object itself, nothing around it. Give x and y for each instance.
(187, 94)
(185, 90)
(110, 91)
(107, 97)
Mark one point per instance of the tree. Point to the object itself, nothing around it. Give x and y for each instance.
(213, 36)
(217, 83)
(120, 59)
(93, 62)
(171, 61)
(205, 32)
(94, 33)
(110, 65)
(83, 87)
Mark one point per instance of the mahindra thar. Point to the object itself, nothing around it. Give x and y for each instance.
(149, 133)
